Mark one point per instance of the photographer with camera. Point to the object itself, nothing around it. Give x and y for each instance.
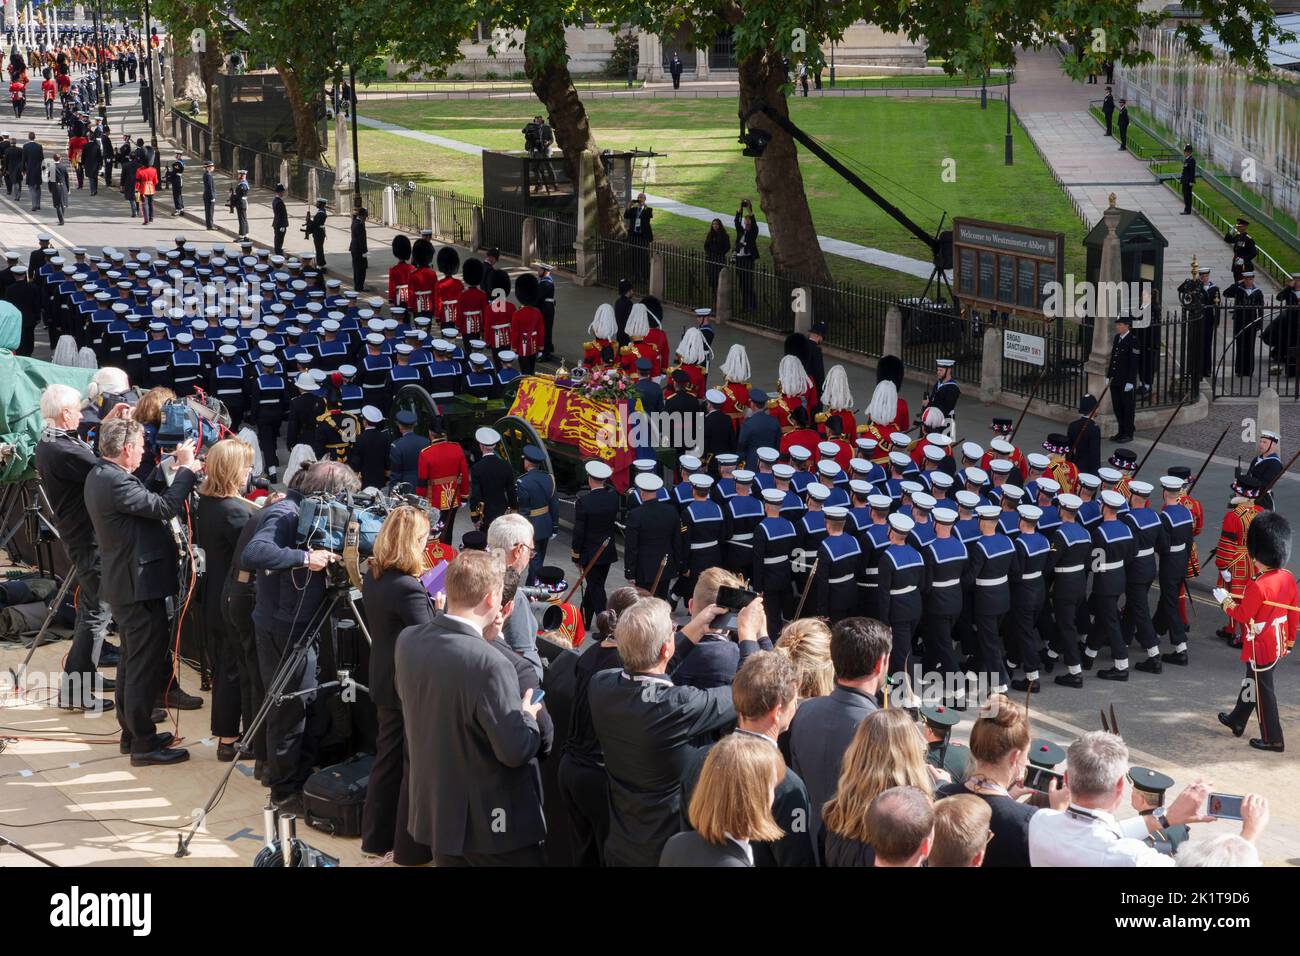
(139, 574)
(63, 460)
(291, 589)
(538, 140)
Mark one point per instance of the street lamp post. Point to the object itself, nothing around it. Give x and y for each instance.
(356, 147)
(148, 48)
(99, 61)
(1008, 159)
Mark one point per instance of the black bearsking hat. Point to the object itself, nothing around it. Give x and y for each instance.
(448, 260)
(471, 271)
(501, 280)
(1268, 539)
(421, 253)
(402, 246)
(528, 289)
(890, 367)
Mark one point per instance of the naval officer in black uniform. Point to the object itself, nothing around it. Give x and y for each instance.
(1123, 375)
(649, 536)
(594, 514)
(1188, 178)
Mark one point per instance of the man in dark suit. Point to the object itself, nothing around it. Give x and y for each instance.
(24, 294)
(682, 407)
(91, 159)
(719, 432)
(358, 247)
(106, 153)
(765, 694)
(315, 229)
(14, 169)
(1123, 375)
(623, 308)
(1187, 179)
(759, 430)
(33, 157)
(139, 574)
(594, 514)
(1108, 109)
(645, 726)
(404, 454)
(824, 726)
(650, 535)
(492, 490)
(1123, 124)
(475, 795)
(1084, 436)
(210, 201)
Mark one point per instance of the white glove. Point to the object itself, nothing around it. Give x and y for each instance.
(1128, 386)
(1220, 595)
(1225, 576)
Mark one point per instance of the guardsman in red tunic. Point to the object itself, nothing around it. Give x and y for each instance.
(1231, 556)
(501, 311)
(693, 353)
(1267, 615)
(1124, 460)
(436, 551)
(1198, 522)
(1064, 473)
(637, 328)
(838, 401)
(527, 327)
(423, 279)
(444, 478)
(602, 348)
(473, 303)
(933, 422)
(446, 294)
(735, 387)
(794, 387)
(890, 369)
(657, 339)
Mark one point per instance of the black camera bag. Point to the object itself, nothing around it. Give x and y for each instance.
(334, 797)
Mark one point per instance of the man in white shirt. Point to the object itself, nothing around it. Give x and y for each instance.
(1086, 833)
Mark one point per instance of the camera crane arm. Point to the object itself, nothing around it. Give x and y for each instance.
(940, 246)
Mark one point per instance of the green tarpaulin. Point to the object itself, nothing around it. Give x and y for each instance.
(21, 382)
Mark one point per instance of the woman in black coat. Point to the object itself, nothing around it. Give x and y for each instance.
(218, 521)
(716, 246)
(394, 599)
(746, 253)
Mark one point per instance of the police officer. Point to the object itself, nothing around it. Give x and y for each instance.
(986, 573)
(315, 229)
(209, 194)
(404, 454)
(940, 751)
(741, 513)
(1068, 572)
(700, 544)
(775, 539)
(649, 537)
(901, 581)
(538, 503)
(1187, 178)
(359, 249)
(368, 456)
(1148, 541)
(269, 400)
(1032, 553)
(1122, 372)
(1178, 535)
(1113, 548)
(594, 516)
(279, 219)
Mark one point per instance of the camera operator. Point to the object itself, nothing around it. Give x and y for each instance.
(289, 595)
(63, 461)
(538, 140)
(139, 573)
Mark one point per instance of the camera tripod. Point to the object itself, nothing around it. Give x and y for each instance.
(340, 594)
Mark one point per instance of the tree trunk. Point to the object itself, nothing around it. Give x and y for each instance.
(776, 173)
(304, 115)
(568, 117)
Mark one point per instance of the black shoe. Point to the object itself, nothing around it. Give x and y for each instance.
(232, 751)
(178, 699)
(89, 703)
(160, 757)
(1069, 680)
(107, 683)
(1185, 213)
(1259, 744)
(1151, 665)
(1113, 673)
(1023, 684)
(1086, 660)
(164, 740)
(259, 771)
(1175, 657)
(290, 804)
(158, 716)
(1227, 722)
(1049, 665)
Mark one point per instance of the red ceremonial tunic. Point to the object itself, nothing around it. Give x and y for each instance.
(423, 283)
(848, 423)
(1231, 554)
(881, 437)
(470, 309)
(737, 394)
(591, 352)
(446, 301)
(526, 331)
(1017, 460)
(500, 321)
(799, 436)
(1278, 634)
(918, 453)
(398, 276)
(659, 339)
(443, 474)
(437, 552)
(48, 89)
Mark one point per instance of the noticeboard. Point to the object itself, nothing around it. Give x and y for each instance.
(1003, 266)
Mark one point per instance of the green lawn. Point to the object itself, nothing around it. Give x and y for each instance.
(905, 81)
(898, 146)
(497, 85)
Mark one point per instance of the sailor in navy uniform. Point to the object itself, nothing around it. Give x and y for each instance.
(945, 557)
(901, 582)
(700, 544)
(1113, 548)
(782, 477)
(873, 541)
(893, 485)
(800, 459)
(1148, 541)
(976, 482)
(775, 539)
(134, 340)
(1031, 556)
(1178, 530)
(987, 571)
(811, 527)
(186, 367)
(266, 349)
(270, 401)
(683, 492)
(941, 486)
(112, 335)
(158, 355)
(946, 392)
(922, 532)
(369, 454)
(332, 351)
(741, 514)
(403, 373)
(859, 519)
(375, 366)
(829, 474)
(479, 380)
(649, 536)
(633, 499)
(539, 504)
(724, 487)
(350, 396)
(1266, 466)
(865, 450)
(1089, 492)
(443, 373)
(838, 556)
(507, 374)
(1011, 499)
(1046, 491)
(594, 516)
(1071, 545)
(967, 526)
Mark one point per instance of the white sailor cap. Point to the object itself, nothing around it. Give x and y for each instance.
(985, 512)
(1038, 460)
(157, 326)
(689, 463)
(1001, 446)
(266, 346)
(1109, 475)
(1089, 481)
(901, 523)
(375, 325)
(923, 501)
(1069, 502)
(714, 397)
(971, 450)
(836, 513)
(976, 476)
(742, 476)
(769, 455)
(1002, 466)
(268, 360)
(1030, 512)
(227, 351)
(867, 444)
(347, 371)
(478, 345)
(911, 487)
(404, 349)
(490, 436)
(938, 438)
(945, 363)
(860, 488)
(899, 459)
(120, 307)
(599, 470)
(799, 453)
(306, 381)
(1112, 498)
(941, 479)
(649, 482)
(773, 496)
(933, 452)
(859, 466)
(900, 439)
(944, 515)
(818, 492)
(1142, 489)
(645, 464)
(1171, 482)
(439, 345)
(1049, 485)
(1270, 435)
(967, 499)
(726, 458)
(390, 325)
(475, 358)
(828, 468)
(375, 339)
(507, 356)
(184, 338)
(828, 449)
(698, 480)
(1014, 492)
(330, 325)
(880, 502)
(784, 472)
